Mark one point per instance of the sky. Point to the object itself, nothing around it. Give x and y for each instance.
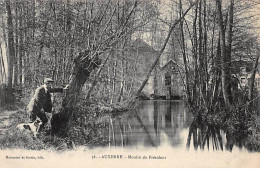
(257, 11)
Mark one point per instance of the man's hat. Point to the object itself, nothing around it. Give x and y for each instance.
(48, 80)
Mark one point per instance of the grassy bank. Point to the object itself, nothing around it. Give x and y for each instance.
(241, 127)
(89, 127)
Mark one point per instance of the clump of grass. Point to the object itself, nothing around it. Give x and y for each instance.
(15, 139)
(88, 128)
(253, 140)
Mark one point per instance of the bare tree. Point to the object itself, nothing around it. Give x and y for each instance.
(11, 53)
(162, 48)
(87, 61)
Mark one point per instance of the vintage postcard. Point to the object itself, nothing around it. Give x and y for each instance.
(129, 84)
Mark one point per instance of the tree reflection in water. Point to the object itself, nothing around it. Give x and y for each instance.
(202, 134)
(158, 123)
(153, 124)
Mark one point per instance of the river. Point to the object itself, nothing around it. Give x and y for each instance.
(153, 124)
(164, 133)
(157, 123)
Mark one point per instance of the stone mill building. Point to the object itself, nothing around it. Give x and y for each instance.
(166, 80)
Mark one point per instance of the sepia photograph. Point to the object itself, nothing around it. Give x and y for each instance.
(129, 84)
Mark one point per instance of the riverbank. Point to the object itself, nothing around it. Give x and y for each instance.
(87, 128)
(241, 127)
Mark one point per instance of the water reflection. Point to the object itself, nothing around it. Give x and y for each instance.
(153, 124)
(158, 123)
(204, 134)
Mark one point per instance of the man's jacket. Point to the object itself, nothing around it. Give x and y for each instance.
(42, 99)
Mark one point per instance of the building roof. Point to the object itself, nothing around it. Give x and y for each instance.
(141, 45)
(168, 63)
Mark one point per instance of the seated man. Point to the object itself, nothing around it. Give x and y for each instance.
(41, 102)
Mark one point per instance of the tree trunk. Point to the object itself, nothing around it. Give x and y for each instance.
(195, 56)
(11, 53)
(96, 77)
(225, 77)
(2, 95)
(2, 68)
(184, 57)
(114, 70)
(201, 58)
(21, 47)
(82, 68)
(229, 47)
(15, 77)
(205, 52)
(217, 75)
(122, 81)
(251, 91)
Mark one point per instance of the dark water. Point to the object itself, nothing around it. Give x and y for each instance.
(153, 124)
(166, 123)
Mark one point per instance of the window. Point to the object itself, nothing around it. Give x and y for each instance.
(242, 70)
(167, 78)
(257, 82)
(243, 82)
